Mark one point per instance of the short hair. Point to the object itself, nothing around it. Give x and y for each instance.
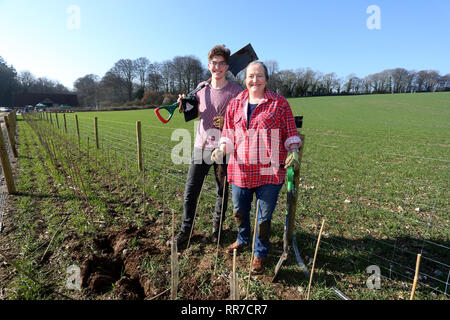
(266, 72)
(219, 50)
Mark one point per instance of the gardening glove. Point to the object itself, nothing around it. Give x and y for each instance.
(292, 160)
(218, 122)
(217, 155)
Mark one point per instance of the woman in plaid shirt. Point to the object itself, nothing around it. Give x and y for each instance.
(261, 140)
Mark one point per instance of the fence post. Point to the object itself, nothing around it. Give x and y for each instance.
(96, 132)
(65, 123)
(12, 139)
(51, 120)
(13, 120)
(57, 121)
(139, 144)
(78, 131)
(6, 165)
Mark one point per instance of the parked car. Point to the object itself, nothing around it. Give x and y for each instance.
(3, 109)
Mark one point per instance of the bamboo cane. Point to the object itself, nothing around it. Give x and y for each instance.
(315, 256)
(234, 287)
(174, 268)
(253, 247)
(195, 214)
(416, 277)
(220, 223)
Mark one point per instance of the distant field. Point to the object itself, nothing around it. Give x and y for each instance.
(375, 167)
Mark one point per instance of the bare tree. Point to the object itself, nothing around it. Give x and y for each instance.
(141, 66)
(113, 88)
(154, 77)
(26, 80)
(125, 69)
(166, 74)
(272, 70)
(399, 78)
(329, 81)
(87, 90)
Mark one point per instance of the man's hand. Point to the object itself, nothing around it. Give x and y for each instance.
(180, 96)
(292, 160)
(218, 122)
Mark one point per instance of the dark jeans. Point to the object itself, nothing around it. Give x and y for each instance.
(198, 169)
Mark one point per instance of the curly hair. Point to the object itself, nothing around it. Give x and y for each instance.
(219, 50)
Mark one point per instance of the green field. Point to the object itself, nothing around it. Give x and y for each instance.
(375, 167)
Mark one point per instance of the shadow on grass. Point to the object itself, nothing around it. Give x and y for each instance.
(341, 260)
(42, 196)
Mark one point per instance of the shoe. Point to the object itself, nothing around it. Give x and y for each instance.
(236, 246)
(215, 232)
(180, 238)
(257, 265)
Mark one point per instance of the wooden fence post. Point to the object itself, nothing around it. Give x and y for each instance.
(78, 131)
(12, 138)
(96, 132)
(139, 144)
(13, 120)
(6, 165)
(50, 115)
(57, 121)
(65, 123)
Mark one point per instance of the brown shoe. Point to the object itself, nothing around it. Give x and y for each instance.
(257, 265)
(236, 246)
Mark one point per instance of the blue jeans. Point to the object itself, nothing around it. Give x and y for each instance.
(242, 201)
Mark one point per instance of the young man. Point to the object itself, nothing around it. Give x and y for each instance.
(213, 100)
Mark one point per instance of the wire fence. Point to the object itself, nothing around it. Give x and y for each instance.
(380, 219)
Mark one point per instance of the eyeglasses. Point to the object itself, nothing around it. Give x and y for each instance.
(218, 63)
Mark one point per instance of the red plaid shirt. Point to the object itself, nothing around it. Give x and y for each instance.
(258, 153)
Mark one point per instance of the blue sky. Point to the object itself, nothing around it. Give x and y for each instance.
(45, 38)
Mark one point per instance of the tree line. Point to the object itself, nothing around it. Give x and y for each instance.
(306, 82)
(146, 82)
(12, 82)
(140, 82)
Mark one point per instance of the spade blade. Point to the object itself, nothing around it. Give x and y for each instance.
(240, 59)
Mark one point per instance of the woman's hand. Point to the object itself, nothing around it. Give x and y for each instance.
(218, 154)
(292, 161)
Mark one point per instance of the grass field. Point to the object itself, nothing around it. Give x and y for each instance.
(375, 167)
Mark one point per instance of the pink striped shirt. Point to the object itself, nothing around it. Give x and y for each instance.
(212, 103)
